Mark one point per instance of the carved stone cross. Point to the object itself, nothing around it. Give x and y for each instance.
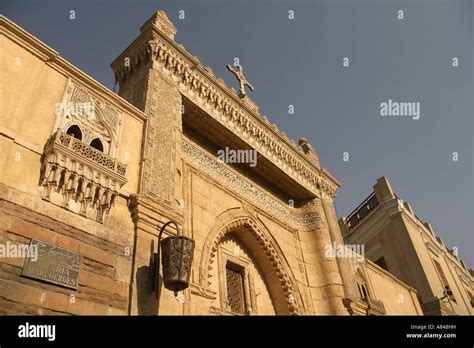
(239, 74)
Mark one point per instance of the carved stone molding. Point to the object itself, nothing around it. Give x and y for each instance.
(307, 220)
(81, 174)
(233, 220)
(207, 293)
(376, 307)
(104, 123)
(163, 110)
(149, 215)
(356, 306)
(249, 298)
(224, 105)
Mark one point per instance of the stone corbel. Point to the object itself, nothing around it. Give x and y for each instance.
(356, 307)
(81, 174)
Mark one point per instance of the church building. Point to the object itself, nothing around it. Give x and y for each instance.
(89, 177)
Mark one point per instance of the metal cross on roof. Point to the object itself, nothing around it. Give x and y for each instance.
(239, 74)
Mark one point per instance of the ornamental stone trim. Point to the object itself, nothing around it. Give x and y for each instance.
(199, 83)
(82, 174)
(103, 119)
(265, 242)
(218, 170)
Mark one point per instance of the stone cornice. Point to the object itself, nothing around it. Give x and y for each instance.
(200, 84)
(53, 59)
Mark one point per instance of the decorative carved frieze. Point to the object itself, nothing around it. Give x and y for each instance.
(81, 174)
(211, 93)
(163, 110)
(103, 121)
(308, 219)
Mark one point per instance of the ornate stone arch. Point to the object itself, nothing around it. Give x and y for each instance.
(112, 143)
(251, 232)
(363, 282)
(104, 123)
(72, 124)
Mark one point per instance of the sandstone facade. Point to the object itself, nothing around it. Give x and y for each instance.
(102, 186)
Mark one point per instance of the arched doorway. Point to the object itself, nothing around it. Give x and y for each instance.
(242, 288)
(265, 263)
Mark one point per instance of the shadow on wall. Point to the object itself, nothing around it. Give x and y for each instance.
(147, 302)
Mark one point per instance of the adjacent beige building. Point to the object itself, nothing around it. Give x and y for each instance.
(401, 243)
(381, 293)
(94, 175)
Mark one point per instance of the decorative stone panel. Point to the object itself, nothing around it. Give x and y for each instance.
(104, 121)
(81, 174)
(308, 218)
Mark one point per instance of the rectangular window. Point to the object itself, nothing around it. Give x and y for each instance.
(235, 289)
(443, 278)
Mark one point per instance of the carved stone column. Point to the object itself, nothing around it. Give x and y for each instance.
(323, 274)
(163, 105)
(146, 82)
(350, 284)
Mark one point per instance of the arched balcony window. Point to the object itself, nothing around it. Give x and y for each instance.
(75, 131)
(97, 144)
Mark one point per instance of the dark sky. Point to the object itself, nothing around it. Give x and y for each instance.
(299, 62)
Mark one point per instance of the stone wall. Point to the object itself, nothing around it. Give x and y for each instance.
(38, 78)
(104, 278)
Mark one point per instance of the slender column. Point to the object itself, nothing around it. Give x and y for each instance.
(350, 285)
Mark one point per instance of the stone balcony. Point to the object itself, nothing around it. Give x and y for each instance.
(80, 174)
(364, 306)
(376, 307)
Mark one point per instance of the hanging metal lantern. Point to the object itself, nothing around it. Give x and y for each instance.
(177, 259)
